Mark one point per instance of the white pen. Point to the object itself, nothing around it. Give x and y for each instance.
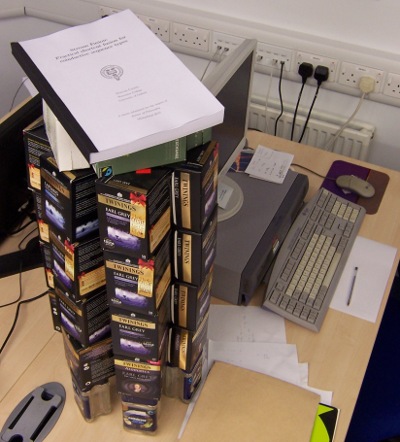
(353, 281)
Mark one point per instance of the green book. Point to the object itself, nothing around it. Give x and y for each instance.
(325, 423)
(163, 154)
(167, 153)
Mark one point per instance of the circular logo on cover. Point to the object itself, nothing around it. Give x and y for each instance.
(112, 72)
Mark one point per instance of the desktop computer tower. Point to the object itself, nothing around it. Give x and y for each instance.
(248, 242)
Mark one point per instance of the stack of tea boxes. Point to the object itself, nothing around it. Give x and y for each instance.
(66, 211)
(129, 261)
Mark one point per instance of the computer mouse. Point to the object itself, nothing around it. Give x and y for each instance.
(356, 185)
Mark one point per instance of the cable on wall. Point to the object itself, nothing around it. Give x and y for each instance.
(305, 71)
(366, 85)
(321, 74)
(280, 97)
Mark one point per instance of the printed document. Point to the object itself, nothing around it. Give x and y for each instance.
(121, 84)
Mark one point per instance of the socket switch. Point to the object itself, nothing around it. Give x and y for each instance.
(318, 60)
(105, 11)
(350, 75)
(224, 43)
(392, 86)
(190, 37)
(158, 26)
(271, 56)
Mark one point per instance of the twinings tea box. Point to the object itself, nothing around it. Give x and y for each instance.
(134, 211)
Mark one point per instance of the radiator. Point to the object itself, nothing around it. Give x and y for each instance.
(354, 141)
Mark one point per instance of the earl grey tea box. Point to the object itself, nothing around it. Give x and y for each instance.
(140, 337)
(91, 365)
(189, 303)
(134, 211)
(136, 284)
(36, 143)
(194, 188)
(194, 253)
(68, 200)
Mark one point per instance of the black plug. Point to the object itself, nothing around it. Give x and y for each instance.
(305, 71)
(321, 74)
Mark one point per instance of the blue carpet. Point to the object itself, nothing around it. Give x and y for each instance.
(377, 413)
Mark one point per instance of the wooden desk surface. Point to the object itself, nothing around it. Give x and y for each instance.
(337, 356)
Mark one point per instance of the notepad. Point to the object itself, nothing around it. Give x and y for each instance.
(236, 404)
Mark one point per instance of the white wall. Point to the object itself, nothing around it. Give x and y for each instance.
(370, 24)
(17, 29)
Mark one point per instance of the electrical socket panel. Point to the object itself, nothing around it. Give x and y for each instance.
(350, 75)
(271, 56)
(190, 37)
(158, 26)
(392, 85)
(318, 60)
(224, 43)
(105, 11)
(199, 38)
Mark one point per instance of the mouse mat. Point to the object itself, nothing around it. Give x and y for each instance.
(377, 179)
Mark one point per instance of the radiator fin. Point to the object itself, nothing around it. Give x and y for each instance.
(354, 141)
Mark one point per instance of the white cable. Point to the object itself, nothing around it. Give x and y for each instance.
(332, 140)
(214, 55)
(366, 85)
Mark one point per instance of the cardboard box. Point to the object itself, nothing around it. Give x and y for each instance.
(78, 267)
(190, 303)
(194, 188)
(194, 253)
(139, 379)
(90, 365)
(89, 322)
(36, 143)
(183, 383)
(141, 416)
(136, 284)
(185, 346)
(134, 211)
(69, 200)
(44, 229)
(45, 250)
(140, 337)
(55, 311)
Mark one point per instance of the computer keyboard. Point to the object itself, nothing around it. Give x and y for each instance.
(311, 260)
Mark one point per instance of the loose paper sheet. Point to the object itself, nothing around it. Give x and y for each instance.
(270, 165)
(371, 258)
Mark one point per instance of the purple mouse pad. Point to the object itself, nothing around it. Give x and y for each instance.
(377, 179)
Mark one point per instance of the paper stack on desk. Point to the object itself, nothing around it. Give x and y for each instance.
(236, 402)
(255, 339)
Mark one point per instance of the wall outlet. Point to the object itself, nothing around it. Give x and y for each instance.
(392, 85)
(159, 27)
(272, 56)
(318, 60)
(350, 75)
(190, 37)
(224, 43)
(105, 11)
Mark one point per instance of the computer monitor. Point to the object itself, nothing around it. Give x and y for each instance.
(16, 200)
(231, 82)
(14, 193)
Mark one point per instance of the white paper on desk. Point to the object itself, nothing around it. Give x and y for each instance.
(269, 164)
(277, 360)
(374, 261)
(245, 324)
